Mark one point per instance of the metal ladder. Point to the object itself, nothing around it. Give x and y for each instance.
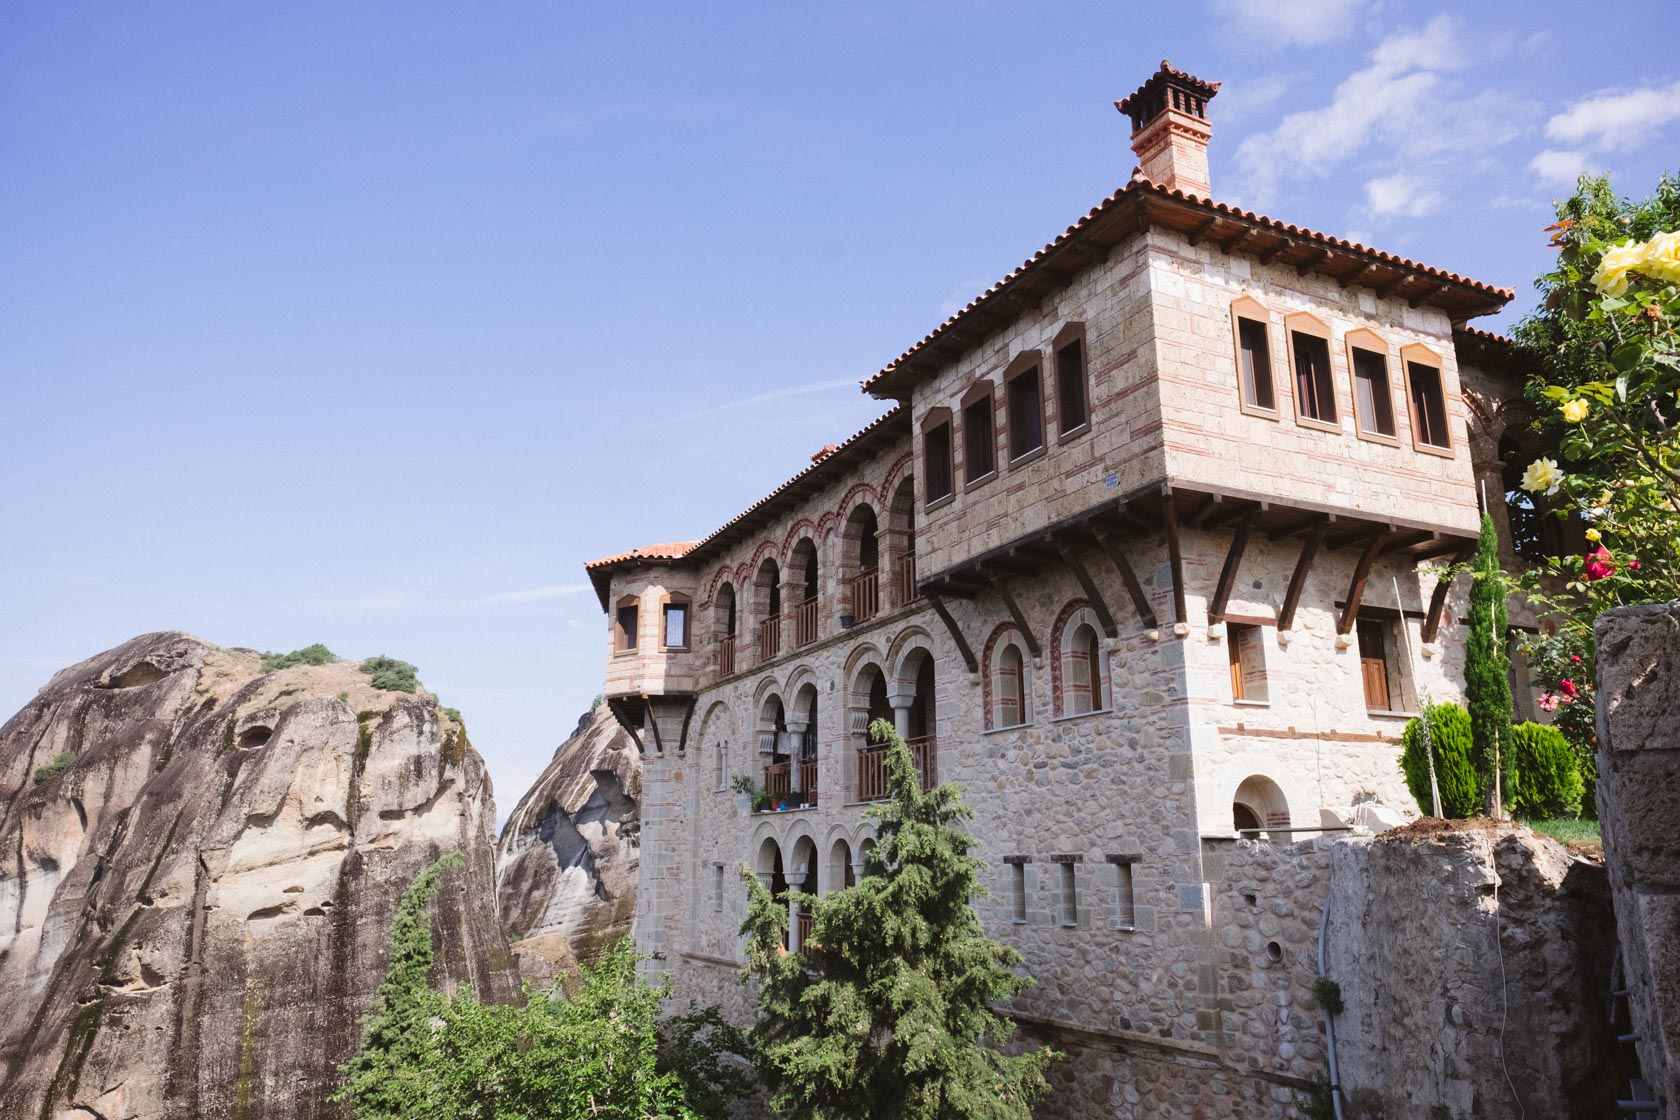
(1641, 1101)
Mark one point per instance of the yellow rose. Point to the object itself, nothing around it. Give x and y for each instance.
(1575, 411)
(1542, 475)
(1660, 258)
(1593, 535)
(1611, 279)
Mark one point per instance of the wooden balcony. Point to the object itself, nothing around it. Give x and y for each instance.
(770, 637)
(872, 767)
(805, 622)
(726, 656)
(808, 778)
(778, 781)
(866, 595)
(907, 592)
(804, 921)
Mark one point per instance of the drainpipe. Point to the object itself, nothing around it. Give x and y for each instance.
(1329, 1023)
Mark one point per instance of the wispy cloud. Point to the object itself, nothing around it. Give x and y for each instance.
(1402, 194)
(525, 595)
(762, 398)
(1305, 23)
(1603, 123)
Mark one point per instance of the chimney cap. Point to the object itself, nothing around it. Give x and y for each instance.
(1140, 99)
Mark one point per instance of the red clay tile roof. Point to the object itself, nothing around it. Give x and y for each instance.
(676, 550)
(1167, 70)
(1492, 352)
(1141, 202)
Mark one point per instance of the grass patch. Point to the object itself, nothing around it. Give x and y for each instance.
(391, 675)
(316, 654)
(59, 764)
(1568, 829)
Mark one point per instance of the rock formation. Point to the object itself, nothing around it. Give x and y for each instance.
(195, 909)
(569, 855)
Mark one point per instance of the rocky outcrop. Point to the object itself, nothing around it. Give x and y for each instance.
(195, 910)
(569, 854)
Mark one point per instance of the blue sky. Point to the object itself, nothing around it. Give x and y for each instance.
(368, 324)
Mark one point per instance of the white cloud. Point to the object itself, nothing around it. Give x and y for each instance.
(1560, 166)
(1402, 195)
(1406, 108)
(1611, 121)
(1306, 23)
(529, 595)
(1252, 97)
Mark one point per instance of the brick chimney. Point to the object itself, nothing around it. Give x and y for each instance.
(1170, 129)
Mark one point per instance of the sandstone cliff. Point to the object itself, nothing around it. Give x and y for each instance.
(194, 912)
(569, 855)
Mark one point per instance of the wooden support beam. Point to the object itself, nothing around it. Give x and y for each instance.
(688, 715)
(619, 706)
(1231, 245)
(1393, 285)
(1428, 294)
(1298, 581)
(1446, 547)
(1402, 541)
(1312, 262)
(1233, 561)
(1098, 604)
(1438, 599)
(1232, 512)
(1300, 525)
(1020, 617)
(653, 722)
(1272, 254)
(963, 648)
(1196, 235)
(1140, 601)
(1210, 504)
(1358, 275)
(1175, 556)
(1361, 572)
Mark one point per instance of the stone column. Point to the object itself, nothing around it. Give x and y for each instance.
(901, 714)
(1639, 813)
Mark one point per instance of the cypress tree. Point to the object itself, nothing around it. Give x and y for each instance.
(1487, 668)
(888, 1009)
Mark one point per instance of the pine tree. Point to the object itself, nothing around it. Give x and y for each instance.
(1487, 668)
(887, 1010)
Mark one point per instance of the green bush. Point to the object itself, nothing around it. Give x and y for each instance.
(391, 675)
(59, 764)
(1328, 993)
(316, 654)
(1549, 782)
(1449, 736)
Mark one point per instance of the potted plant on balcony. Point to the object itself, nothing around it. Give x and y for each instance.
(743, 787)
(761, 801)
(784, 803)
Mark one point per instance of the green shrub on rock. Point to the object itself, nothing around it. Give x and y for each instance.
(1455, 772)
(60, 763)
(1549, 782)
(391, 675)
(316, 654)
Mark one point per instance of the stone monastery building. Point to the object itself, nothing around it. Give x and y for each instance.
(1141, 558)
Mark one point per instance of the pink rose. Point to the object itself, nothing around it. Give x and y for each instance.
(1598, 564)
(1548, 702)
(1633, 565)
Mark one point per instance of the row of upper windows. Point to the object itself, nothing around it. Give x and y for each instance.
(1024, 427)
(1314, 381)
(673, 624)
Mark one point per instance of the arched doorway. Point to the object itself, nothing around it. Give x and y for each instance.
(1258, 805)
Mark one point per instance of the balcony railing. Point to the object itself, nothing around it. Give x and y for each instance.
(866, 595)
(872, 767)
(808, 776)
(907, 593)
(778, 781)
(805, 623)
(726, 656)
(804, 923)
(770, 637)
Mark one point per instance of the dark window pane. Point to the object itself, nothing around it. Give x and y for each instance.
(1315, 391)
(626, 627)
(1026, 414)
(1070, 385)
(979, 442)
(1373, 403)
(936, 450)
(1429, 404)
(1256, 365)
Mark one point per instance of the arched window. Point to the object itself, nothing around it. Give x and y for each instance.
(901, 521)
(723, 625)
(1258, 804)
(1010, 696)
(862, 564)
(1084, 684)
(767, 601)
(804, 564)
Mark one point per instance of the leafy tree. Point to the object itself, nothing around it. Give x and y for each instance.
(887, 1010)
(596, 1054)
(1550, 779)
(1487, 668)
(1446, 728)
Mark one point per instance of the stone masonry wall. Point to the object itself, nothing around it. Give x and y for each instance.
(1639, 811)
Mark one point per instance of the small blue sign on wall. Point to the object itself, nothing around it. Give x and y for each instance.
(1111, 482)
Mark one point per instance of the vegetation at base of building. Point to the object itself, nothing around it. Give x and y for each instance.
(1487, 669)
(57, 765)
(888, 1008)
(1446, 727)
(1548, 777)
(1328, 994)
(1605, 464)
(391, 675)
(1318, 1102)
(316, 654)
(598, 1053)
(1569, 830)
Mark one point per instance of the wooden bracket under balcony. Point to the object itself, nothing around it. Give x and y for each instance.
(1019, 616)
(1098, 605)
(963, 648)
(1303, 565)
(1438, 600)
(1361, 572)
(1233, 561)
(1140, 601)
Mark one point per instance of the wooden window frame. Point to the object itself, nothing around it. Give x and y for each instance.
(1233, 642)
(932, 421)
(621, 648)
(1027, 361)
(980, 391)
(676, 599)
(1304, 322)
(1418, 354)
(1247, 307)
(1371, 342)
(1072, 333)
